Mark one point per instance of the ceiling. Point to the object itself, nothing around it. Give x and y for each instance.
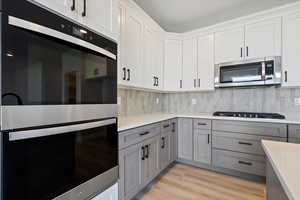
(185, 15)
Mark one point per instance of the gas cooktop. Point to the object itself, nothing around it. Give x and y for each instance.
(250, 115)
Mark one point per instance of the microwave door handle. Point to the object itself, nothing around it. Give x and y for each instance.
(263, 71)
(28, 134)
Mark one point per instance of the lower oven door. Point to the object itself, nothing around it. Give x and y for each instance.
(70, 162)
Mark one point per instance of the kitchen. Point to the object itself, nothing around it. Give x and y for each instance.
(135, 99)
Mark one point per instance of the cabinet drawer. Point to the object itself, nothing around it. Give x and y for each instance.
(294, 140)
(241, 142)
(294, 131)
(137, 135)
(166, 127)
(202, 124)
(246, 163)
(252, 128)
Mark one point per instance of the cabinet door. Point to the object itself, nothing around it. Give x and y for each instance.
(158, 68)
(229, 45)
(150, 168)
(291, 49)
(97, 15)
(189, 66)
(63, 7)
(165, 147)
(130, 163)
(185, 138)
(263, 38)
(206, 62)
(133, 48)
(202, 146)
(173, 65)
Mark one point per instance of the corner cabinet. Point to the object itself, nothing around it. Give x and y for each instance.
(291, 49)
(98, 15)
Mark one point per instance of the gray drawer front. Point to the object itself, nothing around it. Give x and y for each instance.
(202, 124)
(241, 142)
(294, 131)
(253, 128)
(166, 127)
(240, 162)
(137, 135)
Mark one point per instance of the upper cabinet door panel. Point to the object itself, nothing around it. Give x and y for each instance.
(63, 7)
(263, 38)
(189, 64)
(229, 45)
(291, 49)
(206, 62)
(173, 65)
(133, 47)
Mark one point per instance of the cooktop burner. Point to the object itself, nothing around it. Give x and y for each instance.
(250, 115)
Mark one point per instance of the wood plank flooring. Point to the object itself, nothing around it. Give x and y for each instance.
(187, 183)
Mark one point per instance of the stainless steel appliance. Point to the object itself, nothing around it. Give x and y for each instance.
(263, 71)
(58, 106)
(249, 115)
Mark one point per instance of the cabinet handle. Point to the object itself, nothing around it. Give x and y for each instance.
(199, 82)
(73, 5)
(143, 153)
(143, 134)
(247, 51)
(147, 154)
(208, 138)
(180, 83)
(195, 83)
(163, 144)
(245, 163)
(84, 8)
(202, 124)
(128, 72)
(124, 73)
(245, 143)
(167, 126)
(241, 52)
(157, 81)
(154, 79)
(173, 129)
(285, 76)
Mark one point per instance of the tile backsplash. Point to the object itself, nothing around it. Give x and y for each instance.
(259, 99)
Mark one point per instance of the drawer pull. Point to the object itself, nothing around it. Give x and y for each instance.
(146, 133)
(202, 124)
(173, 130)
(167, 126)
(245, 163)
(245, 143)
(143, 153)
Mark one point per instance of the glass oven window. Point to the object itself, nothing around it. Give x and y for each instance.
(41, 70)
(46, 167)
(242, 73)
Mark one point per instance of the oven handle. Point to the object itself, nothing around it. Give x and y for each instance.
(22, 135)
(56, 34)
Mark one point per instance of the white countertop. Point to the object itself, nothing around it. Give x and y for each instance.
(130, 122)
(284, 158)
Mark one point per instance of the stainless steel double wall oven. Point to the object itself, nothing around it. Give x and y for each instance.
(58, 106)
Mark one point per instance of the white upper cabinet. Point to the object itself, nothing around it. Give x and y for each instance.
(189, 64)
(229, 45)
(173, 65)
(263, 38)
(291, 49)
(206, 62)
(99, 15)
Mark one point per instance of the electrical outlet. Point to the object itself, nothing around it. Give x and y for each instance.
(157, 100)
(119, 99)
(297, 101)
(194, 101)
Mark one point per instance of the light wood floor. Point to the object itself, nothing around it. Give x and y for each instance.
(188, 183)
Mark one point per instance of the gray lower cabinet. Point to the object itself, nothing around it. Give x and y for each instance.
(165, 151)
(275, 190)
(202, 146)
(294, 134)
(185, 138)
(130, 163)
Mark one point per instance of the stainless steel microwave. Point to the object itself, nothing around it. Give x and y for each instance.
(262, 71)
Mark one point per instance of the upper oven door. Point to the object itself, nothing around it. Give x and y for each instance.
(240, 74)
(71, 162)
(42, 66)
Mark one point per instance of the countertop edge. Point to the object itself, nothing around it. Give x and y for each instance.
(277, 172)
